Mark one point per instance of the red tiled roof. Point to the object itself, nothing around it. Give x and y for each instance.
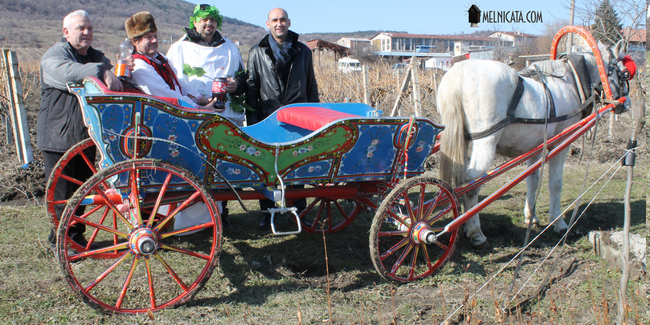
(318, 43)
(635, 35)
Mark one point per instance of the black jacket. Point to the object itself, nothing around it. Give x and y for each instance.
(266, 91)
(60, 123)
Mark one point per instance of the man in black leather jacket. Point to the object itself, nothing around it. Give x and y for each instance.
(280, 72)
(281, 77)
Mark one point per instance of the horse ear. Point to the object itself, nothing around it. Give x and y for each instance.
(619, 48)
(603, 51)
(602, 47)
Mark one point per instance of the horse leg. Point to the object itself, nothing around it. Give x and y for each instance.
(556, 168)
(531, 183)
(483, 151)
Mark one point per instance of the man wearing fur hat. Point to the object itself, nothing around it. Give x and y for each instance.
(151, 70)
(203, 54)
(60, 122)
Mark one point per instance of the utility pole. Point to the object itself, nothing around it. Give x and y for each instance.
(570, 40)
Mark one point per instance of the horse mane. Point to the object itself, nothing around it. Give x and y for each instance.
(554, 68)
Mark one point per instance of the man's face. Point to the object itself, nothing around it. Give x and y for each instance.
(80, 34)
(278, 24)
(206, 27)
(147, 44)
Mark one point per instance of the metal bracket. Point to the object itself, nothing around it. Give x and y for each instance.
(630, 156)
(283, 210)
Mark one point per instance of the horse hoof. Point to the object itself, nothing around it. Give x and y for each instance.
(483, 247)
(561, 231)
(534, 225)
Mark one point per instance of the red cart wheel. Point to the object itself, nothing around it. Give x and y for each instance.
(56, 175)
(404, 241)
(146, 267)
(329, 215)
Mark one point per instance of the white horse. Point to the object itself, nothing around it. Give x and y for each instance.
(474, 98)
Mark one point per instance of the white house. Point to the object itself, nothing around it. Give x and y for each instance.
(513, 38)
(442, 61)
(356, 45)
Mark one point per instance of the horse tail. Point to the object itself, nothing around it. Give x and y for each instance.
(453, 145)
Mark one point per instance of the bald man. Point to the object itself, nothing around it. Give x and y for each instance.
(280, 72)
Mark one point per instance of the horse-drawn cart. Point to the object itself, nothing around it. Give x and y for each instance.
(160, 162)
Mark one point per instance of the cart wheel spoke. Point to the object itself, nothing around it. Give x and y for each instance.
(329, 214)
(182, 206)
(127, 282)
(401, 247)
(166, 269)
(99, 252)
(402, 257)
(107, 272)
(414, 258)
(152, 292)
(441, 245)
(187, 230)
(430, 206)
(161, 194)
(390, 251)
(172, 273)
(78, 159)
(186, 252)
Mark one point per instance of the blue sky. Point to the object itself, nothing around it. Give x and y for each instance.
(412, 16)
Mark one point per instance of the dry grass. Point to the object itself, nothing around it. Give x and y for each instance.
(264, 279)
(383, 88)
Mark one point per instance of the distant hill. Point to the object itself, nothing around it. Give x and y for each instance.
(30, 27)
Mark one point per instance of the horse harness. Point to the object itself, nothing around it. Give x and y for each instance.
(582, 82)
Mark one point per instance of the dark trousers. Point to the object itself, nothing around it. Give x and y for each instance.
(76, 168)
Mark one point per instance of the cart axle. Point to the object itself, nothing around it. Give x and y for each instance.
(143, 242)
(422, 234)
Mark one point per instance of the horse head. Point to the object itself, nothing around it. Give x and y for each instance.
(620, 68)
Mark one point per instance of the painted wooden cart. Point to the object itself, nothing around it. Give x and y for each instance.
(160, 161)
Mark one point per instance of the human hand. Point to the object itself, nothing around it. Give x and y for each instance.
(231, 85)
(112, 81)
(210, 106)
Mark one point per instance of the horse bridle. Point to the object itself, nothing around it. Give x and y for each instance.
(623, 75)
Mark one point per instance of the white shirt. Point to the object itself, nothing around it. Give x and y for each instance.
(148, 79)
(220, 61)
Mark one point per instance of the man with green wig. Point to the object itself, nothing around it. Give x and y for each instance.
(202, 55)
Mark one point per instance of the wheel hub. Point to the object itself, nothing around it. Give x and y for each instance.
(422, 234)
(143, 242)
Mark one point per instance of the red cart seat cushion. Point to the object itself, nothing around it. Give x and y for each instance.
(133, 91)
(310, 118)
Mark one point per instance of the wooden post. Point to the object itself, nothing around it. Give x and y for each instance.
(405, 85)
(639, 118)
(366, 99)
(416, 90)
(17, 109)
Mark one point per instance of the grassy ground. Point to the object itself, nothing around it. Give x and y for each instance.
(264, 279)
